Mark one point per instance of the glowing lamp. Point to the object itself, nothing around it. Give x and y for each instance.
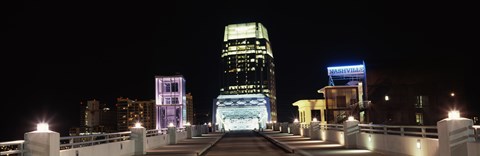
(419, 145)
(350, 118)
(315, 120)
(209, 124)
(452, 94)
(454, 114)
(296, 120)
(138, 125)
(187, 124)
(171, 125)
(274, 121)
(42, 127)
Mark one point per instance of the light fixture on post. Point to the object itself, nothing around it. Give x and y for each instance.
(188, 124)
(454, 114)
(315, 120)
(351, 118)
(171, 125)
(42, 127)
(138, 125)
(295, 121)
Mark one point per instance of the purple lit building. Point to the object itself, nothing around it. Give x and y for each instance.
(170, 101)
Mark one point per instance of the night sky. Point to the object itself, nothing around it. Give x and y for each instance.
(57, 54)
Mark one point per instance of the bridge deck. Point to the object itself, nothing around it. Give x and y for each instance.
(306, 147)
(188, 147)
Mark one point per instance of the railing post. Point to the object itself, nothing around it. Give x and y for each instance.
(139, 136)
(350, 131)
(453, 135)
(276, 126)
(385, 131)
(42, 143)
(284, 127)
(315, 130)
(402, 131)
(423, 132)
(296, 128)
(188, 129)
(172, 134)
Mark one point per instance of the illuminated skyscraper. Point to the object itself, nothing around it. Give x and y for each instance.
(247, 69)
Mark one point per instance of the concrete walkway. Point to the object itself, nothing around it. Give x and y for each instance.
(306, 147)
(245, 143)
(188, 147)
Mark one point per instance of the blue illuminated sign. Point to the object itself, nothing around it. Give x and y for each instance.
(346, 70)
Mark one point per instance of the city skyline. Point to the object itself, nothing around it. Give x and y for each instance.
(61, 54)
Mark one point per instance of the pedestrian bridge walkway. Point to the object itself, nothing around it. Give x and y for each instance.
(306, 147)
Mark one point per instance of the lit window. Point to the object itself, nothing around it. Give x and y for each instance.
(175, 87)
(419, 118)
(166, 87)
(174, 100)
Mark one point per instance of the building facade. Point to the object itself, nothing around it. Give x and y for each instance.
(170, 101)
(95, 118)
(190, 110)
(247, 68)
(130, 112)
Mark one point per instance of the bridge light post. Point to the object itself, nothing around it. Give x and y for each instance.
(453, 134)
(188, 128)
(172, 134)
(139, 136)
(42, 142)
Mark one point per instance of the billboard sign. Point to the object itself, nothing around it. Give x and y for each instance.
(346, 70)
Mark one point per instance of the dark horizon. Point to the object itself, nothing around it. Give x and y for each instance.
(59, 54)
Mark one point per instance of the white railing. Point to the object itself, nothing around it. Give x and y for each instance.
(336, 127)
(12, 147)
(418, 131)
(180, 129)
(304, 125)
(153, 132)
(90, 140)
(476, 132)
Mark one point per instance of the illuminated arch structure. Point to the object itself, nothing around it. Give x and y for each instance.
(242, 112)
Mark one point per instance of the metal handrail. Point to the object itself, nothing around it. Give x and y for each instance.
(337, 127)
(7, 148)
(153, 132)
(476, 132)
(90, 140)
(423, 131)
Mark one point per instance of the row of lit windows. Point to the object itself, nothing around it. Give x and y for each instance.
(170, 87)
(241, 42)
(170, 100)
(236, 70)
(245, 86)
(242, 91)
(246, 52)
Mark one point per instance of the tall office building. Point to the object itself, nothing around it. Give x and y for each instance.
(248, 69)
(170, 101)
(190, 108)
(130, 112)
